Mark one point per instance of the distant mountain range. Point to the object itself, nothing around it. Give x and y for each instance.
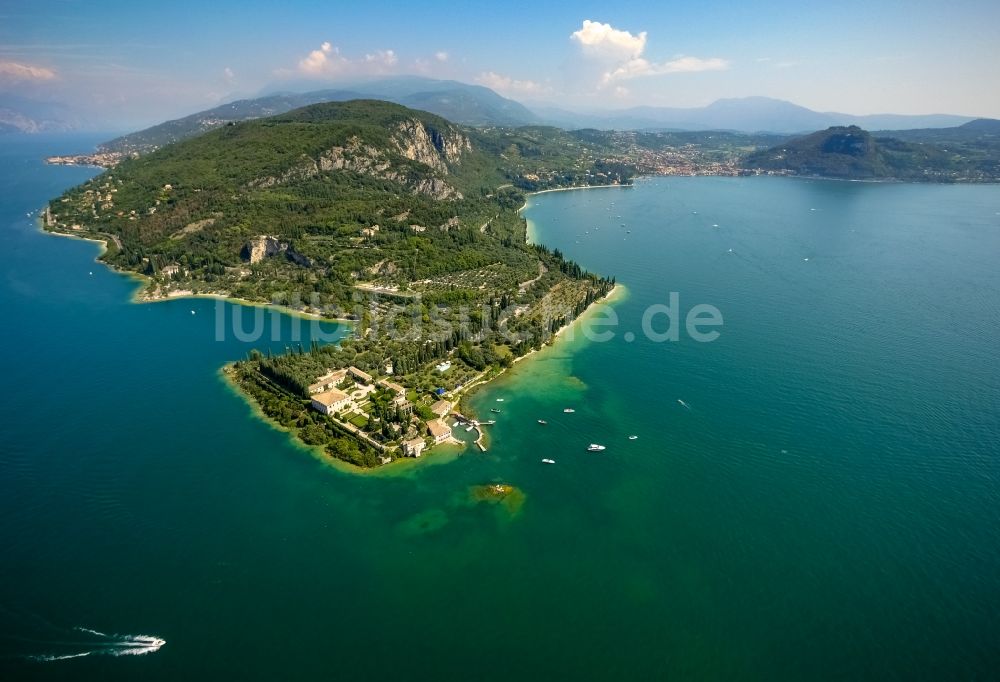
(24, 115)
(475, 105)
(747, 114)
(472, 105)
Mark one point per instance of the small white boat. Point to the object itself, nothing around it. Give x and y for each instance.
(192, 312)
(542, 422)
(569, 410)
(594, 447)
(493, 409)
(548, 461)
(470, 427)
(632, 437)
(499, 400)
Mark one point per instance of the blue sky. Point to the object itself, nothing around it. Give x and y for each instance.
(133, 63)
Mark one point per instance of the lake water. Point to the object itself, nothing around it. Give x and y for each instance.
(823, 504)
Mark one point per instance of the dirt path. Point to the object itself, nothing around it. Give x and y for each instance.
(523, 286)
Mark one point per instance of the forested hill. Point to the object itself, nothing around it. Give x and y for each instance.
(943, 155)
(472, 105)
(334, 198)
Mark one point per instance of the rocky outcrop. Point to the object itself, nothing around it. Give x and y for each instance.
(411, 140)
(435, 187)
(357, 157)
(265, 246)
(384, 268)
(430, 147)
(450, 223)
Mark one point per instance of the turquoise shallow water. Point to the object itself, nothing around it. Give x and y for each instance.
(825, 507)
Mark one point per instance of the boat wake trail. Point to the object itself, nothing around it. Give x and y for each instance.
(103, 645)
(33, 638)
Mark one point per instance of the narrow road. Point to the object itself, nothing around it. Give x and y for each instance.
(523, 286)
(483, 227)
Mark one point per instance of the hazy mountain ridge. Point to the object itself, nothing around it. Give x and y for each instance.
(476, 105)
(459, 103)
(746, 114)
(25, 115)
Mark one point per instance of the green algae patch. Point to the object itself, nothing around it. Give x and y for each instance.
(427, 521)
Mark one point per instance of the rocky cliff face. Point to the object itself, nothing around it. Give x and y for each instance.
(411, 139)
(432, 147)
(259, 248)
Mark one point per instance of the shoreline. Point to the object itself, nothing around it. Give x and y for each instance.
(140, 294)
(882, 181)
(619, 292)
(401, 466)
(246, 303)
(576, 187)
(453, 447)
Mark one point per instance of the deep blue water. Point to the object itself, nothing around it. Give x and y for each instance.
(826, 506)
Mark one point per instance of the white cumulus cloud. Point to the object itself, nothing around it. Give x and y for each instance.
(618, 55)
(510, 86)
(635, 68)
(603, 40)
(382, 59)
(328, 62)
(441, 56)
(318, 61)
(15, 71)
